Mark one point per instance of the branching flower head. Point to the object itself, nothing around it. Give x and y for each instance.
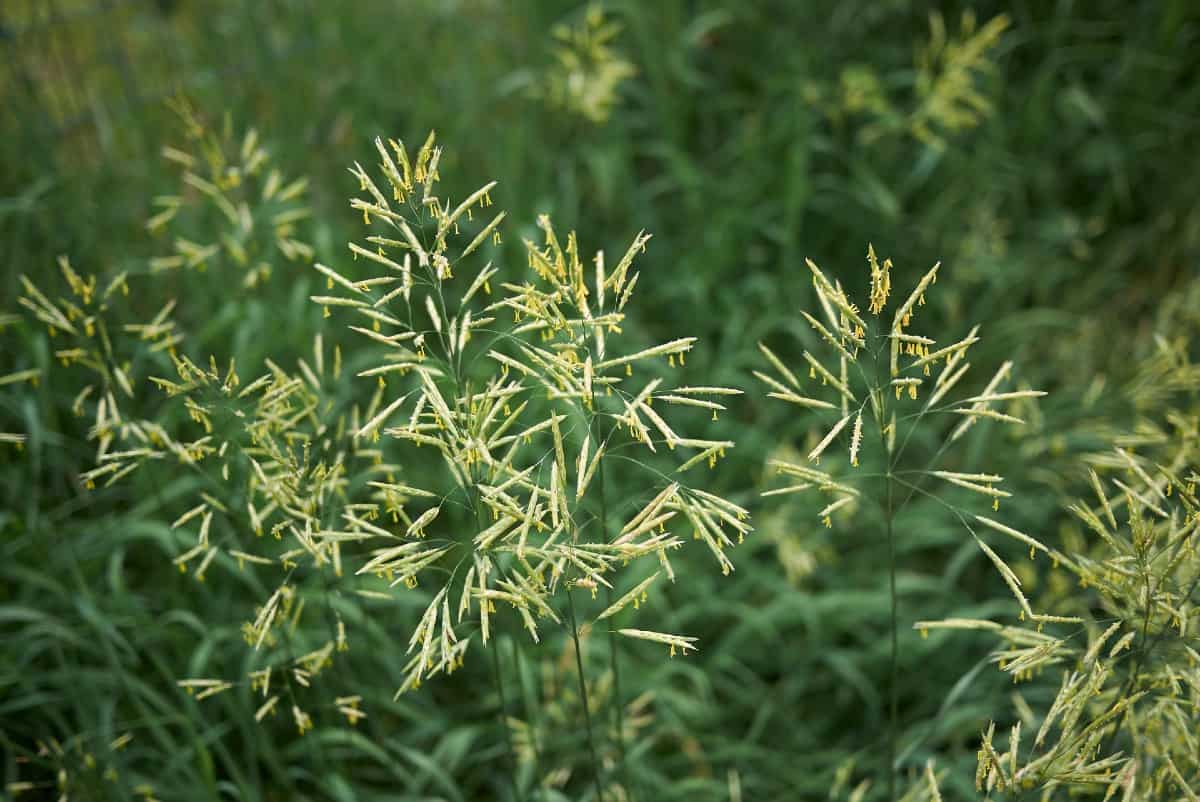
(459, 452)
(1124, 714)
(82, 319)
(524, 417)
(877, 386)
(1124, 687)
(230, 180)
(587, 72)
(947, 70)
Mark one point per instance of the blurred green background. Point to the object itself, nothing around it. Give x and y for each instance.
(1044, 152)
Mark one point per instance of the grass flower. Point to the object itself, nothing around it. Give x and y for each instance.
(875, 372)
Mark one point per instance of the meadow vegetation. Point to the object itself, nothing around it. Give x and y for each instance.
(535, 401)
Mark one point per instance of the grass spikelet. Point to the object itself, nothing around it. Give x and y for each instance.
(815, 454)
(904, 313)
(675, 642)
(635, 596)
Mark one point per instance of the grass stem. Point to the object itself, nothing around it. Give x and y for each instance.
(498, 681)
(893, 703)
(617, 699)
(583, 696)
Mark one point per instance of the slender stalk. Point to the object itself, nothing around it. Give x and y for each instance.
(473, 497)
(893, 711)
(889, 515)
(583, 697)
(498, 681)
(497, 674)
(617, 700)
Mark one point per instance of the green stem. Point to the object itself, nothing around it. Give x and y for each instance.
(498, 681)
(617, 700)
(889, 512)
(473, 497)
(893, 712)
(583, 697)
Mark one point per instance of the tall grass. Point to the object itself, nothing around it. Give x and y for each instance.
(749, 138)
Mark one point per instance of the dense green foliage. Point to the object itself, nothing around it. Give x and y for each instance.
(1043, 153)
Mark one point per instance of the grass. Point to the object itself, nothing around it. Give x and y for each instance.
(1069, 206)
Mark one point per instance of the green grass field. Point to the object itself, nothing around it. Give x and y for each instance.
(1043, 153)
